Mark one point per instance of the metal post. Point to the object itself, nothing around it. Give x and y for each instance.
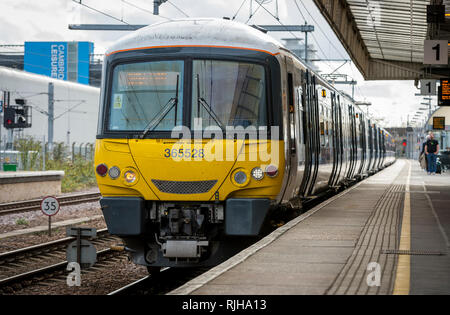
(79, 246)
(9, 142)
(306, 47)
(49, 225)
(51, 109)
(43, 154)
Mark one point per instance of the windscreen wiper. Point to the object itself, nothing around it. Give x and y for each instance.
(173, 102)
(211, 113)
(206, 106)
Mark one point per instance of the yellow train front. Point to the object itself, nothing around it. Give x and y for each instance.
(207, 127)
(180, 160)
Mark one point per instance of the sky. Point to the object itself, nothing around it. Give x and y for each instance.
(47, 20)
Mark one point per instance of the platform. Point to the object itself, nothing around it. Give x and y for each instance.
(389, 234)
(25, 185)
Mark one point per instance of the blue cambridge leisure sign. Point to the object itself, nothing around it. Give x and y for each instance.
(51, 59)
(46, 58)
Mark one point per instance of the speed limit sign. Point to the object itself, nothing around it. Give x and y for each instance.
(50, 206)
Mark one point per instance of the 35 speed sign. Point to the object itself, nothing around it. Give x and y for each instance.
(50, 206)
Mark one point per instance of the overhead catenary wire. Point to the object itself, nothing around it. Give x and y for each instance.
(145, 10)
(99, 11)
(237, 12)
(252, 14)
(170, 2)
(281, 23)
(328, 39)
(318, 26)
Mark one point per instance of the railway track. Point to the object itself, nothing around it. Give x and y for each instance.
(32, 205)
(167, 280)
(53, 272)
(43, 261)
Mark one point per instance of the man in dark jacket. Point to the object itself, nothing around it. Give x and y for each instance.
(423, 158)
(431, 150)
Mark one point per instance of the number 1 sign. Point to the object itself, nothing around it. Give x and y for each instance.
(436, 52)
(428, 87)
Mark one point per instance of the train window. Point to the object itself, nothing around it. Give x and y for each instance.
(142, 91)
(228, 93)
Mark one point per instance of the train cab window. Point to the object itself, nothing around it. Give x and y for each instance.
(228, 93)
(142, 91)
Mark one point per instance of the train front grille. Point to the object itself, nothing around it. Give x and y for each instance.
(184, 188)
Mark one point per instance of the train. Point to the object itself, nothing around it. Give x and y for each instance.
(208, 128)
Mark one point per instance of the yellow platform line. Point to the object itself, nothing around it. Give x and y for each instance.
(403, 276)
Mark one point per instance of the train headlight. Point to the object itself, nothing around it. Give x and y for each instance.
(114, 172)
(240, 178)
(257, 173)
(101, 169)
(271, 171)
(130, 177)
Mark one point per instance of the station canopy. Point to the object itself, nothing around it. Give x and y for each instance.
(385, 38)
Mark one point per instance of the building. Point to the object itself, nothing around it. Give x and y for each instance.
(75, 106)
(68, 61)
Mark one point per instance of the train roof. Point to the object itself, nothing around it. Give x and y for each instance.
(198, 32)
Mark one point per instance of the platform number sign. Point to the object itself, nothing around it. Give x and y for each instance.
(50, 206)
(436, 52)
(428, 87)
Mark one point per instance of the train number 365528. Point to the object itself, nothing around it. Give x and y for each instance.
(184, 153)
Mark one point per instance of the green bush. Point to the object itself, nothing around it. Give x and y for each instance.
(30, 150)
(22, 221)
(79, 174)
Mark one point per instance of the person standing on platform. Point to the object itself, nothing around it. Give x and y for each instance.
(431, 150)
(423, 158)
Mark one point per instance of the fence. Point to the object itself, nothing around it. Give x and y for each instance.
(31, 154)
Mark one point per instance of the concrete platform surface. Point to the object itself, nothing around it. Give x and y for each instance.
(24, 185)
(386, 235)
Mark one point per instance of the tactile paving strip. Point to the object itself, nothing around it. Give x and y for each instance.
(380, 231)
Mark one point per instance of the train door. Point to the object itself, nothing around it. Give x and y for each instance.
(357, 135)
(341, 141)
(375, 147)
(311, 131)
(351, 139)
(381, 149)
(362, 140)
(296, 149)
(335, 141)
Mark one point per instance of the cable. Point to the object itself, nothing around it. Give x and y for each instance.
(253, 13)
(318, 25)
(101, 12)
(261, 6)
(145, 10)
(237, 12)
(177, 8)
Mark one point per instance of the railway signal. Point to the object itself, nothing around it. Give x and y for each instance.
(17, 116)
